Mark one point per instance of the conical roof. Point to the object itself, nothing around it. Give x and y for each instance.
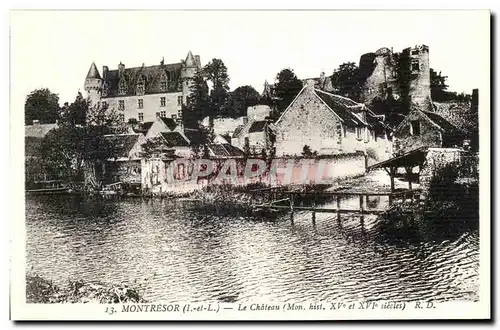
(93, 72)
(190, 61)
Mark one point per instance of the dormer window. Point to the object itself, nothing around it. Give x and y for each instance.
(122, 87)
(140, 86)
(164, 81)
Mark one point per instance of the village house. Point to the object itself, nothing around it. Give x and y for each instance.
(142, 93)
(160, 125)
(426, 129)
(124, 159)
(330, 124)
(257, 133)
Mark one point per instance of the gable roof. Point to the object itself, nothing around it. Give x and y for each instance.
(257, 126)
(143, 128)
(169, 122)
(340, 106)
(120, 144)
(444, 124)
(175, 139)
(38, 130)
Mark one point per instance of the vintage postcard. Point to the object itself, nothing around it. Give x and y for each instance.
(250, 165)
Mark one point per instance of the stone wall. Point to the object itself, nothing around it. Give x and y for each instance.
(163, 177)
(123, 171)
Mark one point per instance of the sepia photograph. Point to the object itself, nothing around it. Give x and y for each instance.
(245, 165)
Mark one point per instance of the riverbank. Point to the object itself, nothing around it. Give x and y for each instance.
(42, 291)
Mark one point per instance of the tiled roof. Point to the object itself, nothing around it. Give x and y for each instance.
(175, 139)
(38, 130)
(445, 125)
(257, 126)
(340, 106)
(171, 124)
(225, 150)
(152, 76)
(120, 145)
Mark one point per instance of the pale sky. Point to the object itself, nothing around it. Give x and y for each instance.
(55, 49)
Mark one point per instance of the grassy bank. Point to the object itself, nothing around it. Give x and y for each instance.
(43, 291)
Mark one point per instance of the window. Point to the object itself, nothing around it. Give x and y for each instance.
(140, 87)
(414, 52)
(415, 66)
(179, 101)
(174, 116)
(141, 116)
(140, 103)
(163, 101)
(104, 104)
(163, 85)
(415, 127)
(163, 114)
(122, 117)
(122, 87)
(121, 105)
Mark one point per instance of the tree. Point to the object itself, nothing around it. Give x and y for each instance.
(216, 73)
(242, 98)
(42, 105)
(75, 148)
(286, 89)
(346, 80)
(438, 86)
(198, 102)
(76, 112)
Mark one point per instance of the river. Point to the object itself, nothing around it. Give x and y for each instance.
(181, 252)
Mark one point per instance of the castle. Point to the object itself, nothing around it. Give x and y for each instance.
(381, 69)
(143, 93)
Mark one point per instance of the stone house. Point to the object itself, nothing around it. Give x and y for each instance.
(426, 129)
(330, 124)
(257, 133)
(143, 92)
(124, 160)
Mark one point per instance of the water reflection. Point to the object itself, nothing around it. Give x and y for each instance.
(184, 253)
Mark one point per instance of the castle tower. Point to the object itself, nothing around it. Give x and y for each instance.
(93, 84)
(419, 90)
(189, 68)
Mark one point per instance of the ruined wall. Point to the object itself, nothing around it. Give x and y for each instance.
(123, 171)
(380, 72)
(420, 77)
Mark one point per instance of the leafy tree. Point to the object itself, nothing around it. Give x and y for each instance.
(42, 105)
(198, 102)
(346, 80)
(76, 112)
(75, 148)
(242, 98)
(438, 86)
(216, 73)
(286, 89)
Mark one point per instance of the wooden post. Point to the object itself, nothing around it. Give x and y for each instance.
(408, 176)
(362, 216)
(314, 209)
(338, 209)
(291, 207)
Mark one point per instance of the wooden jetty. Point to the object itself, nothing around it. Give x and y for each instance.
(412, 195)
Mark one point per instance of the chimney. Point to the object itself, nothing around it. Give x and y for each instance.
(105, 70)
(474, 104)
(121, 68)
(36, 122)
(157, 115)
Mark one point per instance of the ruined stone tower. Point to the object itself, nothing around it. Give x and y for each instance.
(93, 84)
(403, 76)
(419, 90)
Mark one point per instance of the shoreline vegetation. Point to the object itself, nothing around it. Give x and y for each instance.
(42, 291)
